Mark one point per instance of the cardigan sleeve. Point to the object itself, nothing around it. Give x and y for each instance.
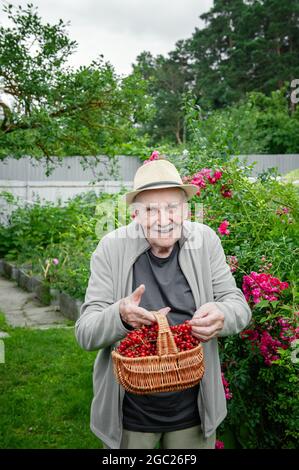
(100, 324)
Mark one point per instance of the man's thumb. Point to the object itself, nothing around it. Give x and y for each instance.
(164, 310)
(137, 294)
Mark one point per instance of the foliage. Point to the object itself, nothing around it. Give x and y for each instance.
(258, 124)
(38, 233)
(257, 221)
(264, 407)
(33, 226)
(168, 79)
(45, 390)
(244, 47)
(48, 108)
(292, 176)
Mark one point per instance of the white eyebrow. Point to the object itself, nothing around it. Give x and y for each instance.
(157, 204)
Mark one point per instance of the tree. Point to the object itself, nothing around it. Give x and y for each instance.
(257, 124)
(48, 108)
(168, 79)
(245, 46)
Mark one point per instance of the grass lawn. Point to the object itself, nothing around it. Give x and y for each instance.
(45, 390)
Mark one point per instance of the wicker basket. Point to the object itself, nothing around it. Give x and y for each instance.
(170, 370)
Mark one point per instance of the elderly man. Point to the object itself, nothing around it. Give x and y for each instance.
(159, 261)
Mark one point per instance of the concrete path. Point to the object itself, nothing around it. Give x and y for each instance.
(22, 308)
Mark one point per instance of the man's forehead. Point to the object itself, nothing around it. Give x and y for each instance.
(160, 203)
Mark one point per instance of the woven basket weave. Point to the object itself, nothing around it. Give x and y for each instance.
(170, 370)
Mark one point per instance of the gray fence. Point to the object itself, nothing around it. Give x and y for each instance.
(26, 177)
(120, 168)
(284, 163)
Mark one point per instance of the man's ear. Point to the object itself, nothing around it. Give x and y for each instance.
(136, 208)
(134, 215)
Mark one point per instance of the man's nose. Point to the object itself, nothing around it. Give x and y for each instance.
(164, 217)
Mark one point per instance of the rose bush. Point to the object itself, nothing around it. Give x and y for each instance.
(257, 221)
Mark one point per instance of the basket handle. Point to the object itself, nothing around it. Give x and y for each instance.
(165, 341)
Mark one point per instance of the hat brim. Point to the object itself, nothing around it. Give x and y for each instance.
(190, 190)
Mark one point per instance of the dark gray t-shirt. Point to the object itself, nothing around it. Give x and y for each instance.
(165, 286)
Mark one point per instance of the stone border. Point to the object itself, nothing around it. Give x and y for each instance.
(69, 307)
(62, 301)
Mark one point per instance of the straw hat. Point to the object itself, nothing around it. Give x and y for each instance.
(158, 174)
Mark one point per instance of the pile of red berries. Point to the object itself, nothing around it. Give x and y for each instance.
(143, 341)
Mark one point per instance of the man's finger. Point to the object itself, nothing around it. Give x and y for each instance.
(146, 322)
(204, 331)
(205, 310)
(143, 314)
(202, 336)
(137, 294)
(207, 320)
(202, 339)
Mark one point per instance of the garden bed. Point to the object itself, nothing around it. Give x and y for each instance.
(68, 306)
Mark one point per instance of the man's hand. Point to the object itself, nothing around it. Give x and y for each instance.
(134, 315)
(207, 321)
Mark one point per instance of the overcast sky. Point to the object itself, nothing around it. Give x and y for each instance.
(121, 29)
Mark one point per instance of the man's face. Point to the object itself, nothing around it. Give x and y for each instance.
(161, 212)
